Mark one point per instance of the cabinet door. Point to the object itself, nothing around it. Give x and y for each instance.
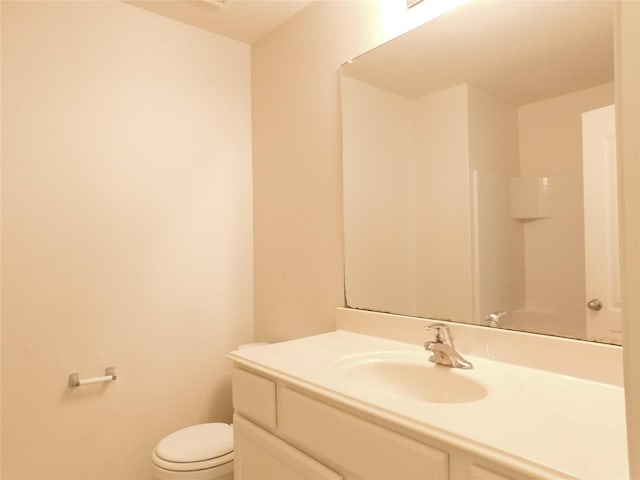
(261, 456)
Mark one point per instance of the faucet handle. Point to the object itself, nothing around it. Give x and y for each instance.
(494, 319)
(443, 332)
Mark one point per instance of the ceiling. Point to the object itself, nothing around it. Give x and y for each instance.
(243, 20)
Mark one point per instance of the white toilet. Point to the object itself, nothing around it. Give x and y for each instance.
(199, 452)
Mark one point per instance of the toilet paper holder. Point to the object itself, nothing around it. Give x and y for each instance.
(109, 376)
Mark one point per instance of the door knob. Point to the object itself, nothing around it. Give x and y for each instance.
(595, 305)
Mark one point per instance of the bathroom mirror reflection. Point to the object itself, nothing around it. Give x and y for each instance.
(480, 172)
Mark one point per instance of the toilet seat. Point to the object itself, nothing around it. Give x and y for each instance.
(198, 447)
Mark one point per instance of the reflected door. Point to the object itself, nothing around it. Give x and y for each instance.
(602, 265)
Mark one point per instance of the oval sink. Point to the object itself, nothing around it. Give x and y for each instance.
(402, 374)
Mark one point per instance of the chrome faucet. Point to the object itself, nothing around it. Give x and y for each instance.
(494, 319)
(444, 353)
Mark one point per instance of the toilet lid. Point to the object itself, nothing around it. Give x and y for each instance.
(197, 443)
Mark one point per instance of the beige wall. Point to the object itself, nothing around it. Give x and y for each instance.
(0, 242)
(297, 157)
(1, 9)
(628, 125)
(126, 233)
(297, 175)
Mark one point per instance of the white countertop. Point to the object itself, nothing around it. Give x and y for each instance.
(541, 423)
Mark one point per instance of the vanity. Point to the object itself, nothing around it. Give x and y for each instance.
(349, 405)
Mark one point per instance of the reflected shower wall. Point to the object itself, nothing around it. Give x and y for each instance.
(441, 219)
(380, 235)
(530, 260)
(542, 288)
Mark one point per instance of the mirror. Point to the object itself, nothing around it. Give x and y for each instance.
(480, 172)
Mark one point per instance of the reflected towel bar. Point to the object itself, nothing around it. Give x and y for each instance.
(109, 376)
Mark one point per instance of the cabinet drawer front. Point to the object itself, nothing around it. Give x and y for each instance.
(366, 450)
(262, 456)
(254, 397)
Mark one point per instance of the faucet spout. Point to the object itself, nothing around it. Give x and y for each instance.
(446, 355)
(444, 352)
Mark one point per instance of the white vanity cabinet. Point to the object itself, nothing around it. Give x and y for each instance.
(283, 431)
(260, 455)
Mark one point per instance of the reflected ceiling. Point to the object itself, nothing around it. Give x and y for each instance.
(538, 69)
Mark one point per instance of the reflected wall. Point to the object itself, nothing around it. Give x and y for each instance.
(459, 204)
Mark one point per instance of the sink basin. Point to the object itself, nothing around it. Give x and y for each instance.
(411, 375)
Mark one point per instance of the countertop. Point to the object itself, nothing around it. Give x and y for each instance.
(541, 423)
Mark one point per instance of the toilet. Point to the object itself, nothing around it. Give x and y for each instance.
(198, 452)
